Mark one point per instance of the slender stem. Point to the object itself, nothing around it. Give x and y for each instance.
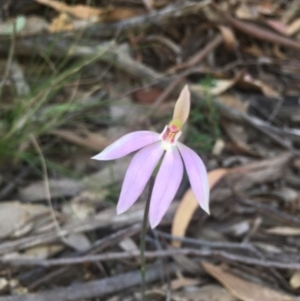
(9, 59)
(143, 239)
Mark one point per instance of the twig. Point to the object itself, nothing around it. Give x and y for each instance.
(117, 57)
(209, 244)
(151, 255)
(99, 245)
(121, 28)
(263, 207)
(271, 210)
(258, 32)
(104, 219)
(145, 21)
(275, 133)
(93, 289)
(47, 187)
(190, 66)
(200, 55)
(166, 42)
(168, 90)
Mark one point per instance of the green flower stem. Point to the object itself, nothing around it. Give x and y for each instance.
(143, 239)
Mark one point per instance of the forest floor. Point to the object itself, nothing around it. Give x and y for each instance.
(76, 76)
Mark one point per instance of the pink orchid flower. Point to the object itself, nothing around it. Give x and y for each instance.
(152, 147)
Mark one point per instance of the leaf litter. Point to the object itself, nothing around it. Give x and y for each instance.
(79, 76)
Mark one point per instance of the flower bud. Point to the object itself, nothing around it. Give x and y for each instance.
(181, 110)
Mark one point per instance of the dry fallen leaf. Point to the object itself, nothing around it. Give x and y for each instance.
(238, 229)
(78, 241)
(284, 231)
(65, 187)
(78, 11)
(244, 12)
(277, 25)
(58, 188)
(61, 23)
(189, 204)
(219, 147)
(34, 25)
(228, 37)
(42, 252)
(253, 50)
(239, 137)
(79, 208)
(147, 96)
(204, 293)
(128, 244)
(24, 26)
(278, 53)
(181, 282)
(233, 101)
(3, 283)
(243, 177)
(18, 219)
(93, 14)
(266, 8)
(94, 141)
(295, 280)
(121, 13)
(294, 27)
(249, 82)
(220, 86)
(243, 289)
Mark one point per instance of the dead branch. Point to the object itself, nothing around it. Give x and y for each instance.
(271, 211)
(98, 288)
(143, 22)
(98, 246)
(150, 255)
(106, 218)
(116, 29)
(209, 244)
(258, 32)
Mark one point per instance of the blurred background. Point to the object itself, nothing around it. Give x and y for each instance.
(77, 75)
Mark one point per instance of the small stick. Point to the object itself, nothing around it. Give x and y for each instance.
(47, 187)
(93, 289)
(201, 54)
(98, 246)
(257, 31)
(204, 253)
(270, 210)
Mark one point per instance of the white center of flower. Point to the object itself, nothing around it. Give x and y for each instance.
(169, 137)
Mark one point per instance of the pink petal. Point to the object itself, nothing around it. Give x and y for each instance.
(197, 174)
(166, 185)
(137, 175)
(127, 144)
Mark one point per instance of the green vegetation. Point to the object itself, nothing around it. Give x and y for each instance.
(204, 118)
(37, 113)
